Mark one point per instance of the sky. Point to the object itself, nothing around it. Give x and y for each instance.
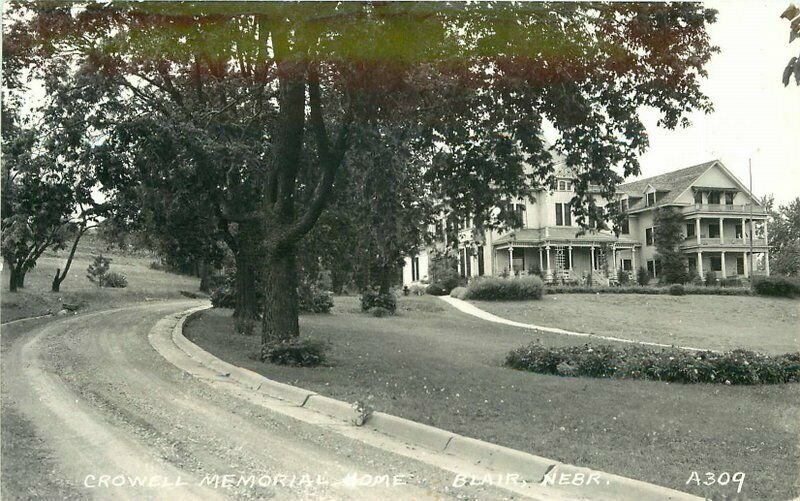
(755, 116)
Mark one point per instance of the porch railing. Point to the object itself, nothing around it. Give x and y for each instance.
(723, 208)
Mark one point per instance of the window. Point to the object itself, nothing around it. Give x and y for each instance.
(713, 230)
(689, 230)
(625, 227)
(716, 263)
(462, 263)
(738, 231)
(713, 197)
(627, 265)
(564, 185)
(415, 269)
(698, 197)
(481, 266)
(651, 268)
(519, 215)
(692, 262)
(563, 215)
(468, 260)
(623, 205)
(729, 197)
(740, 265)
(651, 199)
(648, 236)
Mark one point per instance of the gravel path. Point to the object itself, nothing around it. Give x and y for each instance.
(99, 406)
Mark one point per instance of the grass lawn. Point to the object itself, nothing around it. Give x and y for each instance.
(144, 284)
(767, 325)
(435, 365)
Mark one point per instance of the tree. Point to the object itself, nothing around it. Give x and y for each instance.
(792, 14)
(668, 236)
(784, 235)
(477, 79)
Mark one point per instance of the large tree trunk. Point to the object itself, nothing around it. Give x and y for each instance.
(12, 279)
(56, 286)
(245, 311)
(280, 298)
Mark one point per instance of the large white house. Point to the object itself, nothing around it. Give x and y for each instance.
(718, 211)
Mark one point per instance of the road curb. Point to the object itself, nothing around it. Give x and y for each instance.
(530, 468)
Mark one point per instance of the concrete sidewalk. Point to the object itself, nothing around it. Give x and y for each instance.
(473, 310)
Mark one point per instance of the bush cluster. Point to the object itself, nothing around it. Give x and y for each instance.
(297, 352)
(114, 280)
(498, 289)
(636, 289)
(739, 367)
(677, 290)
(777, 285)
(436, 290)
(459, 293)
(313, 299)
(372, 298)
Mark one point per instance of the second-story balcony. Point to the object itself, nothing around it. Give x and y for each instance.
(722, 242)
(723, 208)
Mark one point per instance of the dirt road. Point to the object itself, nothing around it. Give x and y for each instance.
(91, 410)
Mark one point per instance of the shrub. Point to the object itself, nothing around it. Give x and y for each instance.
(114, 280)
(777, 285)
(417, 290)
(492, 289)
(372, 298)
(223, 296)
(380, 311)
(642, 276)
(436, 290)
(97, 269)
(623, 277)
(738, 367)
(635, 289)
(711, 278)
(296, 352)
(312, 298)
(677, 290)
(459, 293)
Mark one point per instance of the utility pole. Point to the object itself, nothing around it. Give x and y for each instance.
(750, 168)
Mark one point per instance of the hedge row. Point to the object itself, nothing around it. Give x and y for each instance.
(777, 285)
(498, 289)
(638, 289)
(739, 367)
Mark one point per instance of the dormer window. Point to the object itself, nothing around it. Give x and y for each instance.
(651, 199)
(729, 197)
(698, 197)
(713, 197)
(623, 205)
(564, 185)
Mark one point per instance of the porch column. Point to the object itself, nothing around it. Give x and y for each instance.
(592, 251)
(724, 275)
(614, 257)
(744, 259)
(547, 248)
(633, 260)
(722, 235)
(744, 239)
(766, 235)
(510, 261)
(766, 262)
(697, 229)
(700, 265)
(541, 263)
(570, 257)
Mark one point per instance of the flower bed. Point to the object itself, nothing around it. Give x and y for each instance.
(740, 367)
(638, 289)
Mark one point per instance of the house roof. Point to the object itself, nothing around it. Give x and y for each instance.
(673, 183)
(537, 235)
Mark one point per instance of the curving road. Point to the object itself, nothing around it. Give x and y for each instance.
(92, 411)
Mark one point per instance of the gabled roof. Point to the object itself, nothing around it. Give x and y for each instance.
(674, 183)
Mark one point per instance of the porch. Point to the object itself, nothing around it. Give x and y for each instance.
(728, 264)
(563, 262)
